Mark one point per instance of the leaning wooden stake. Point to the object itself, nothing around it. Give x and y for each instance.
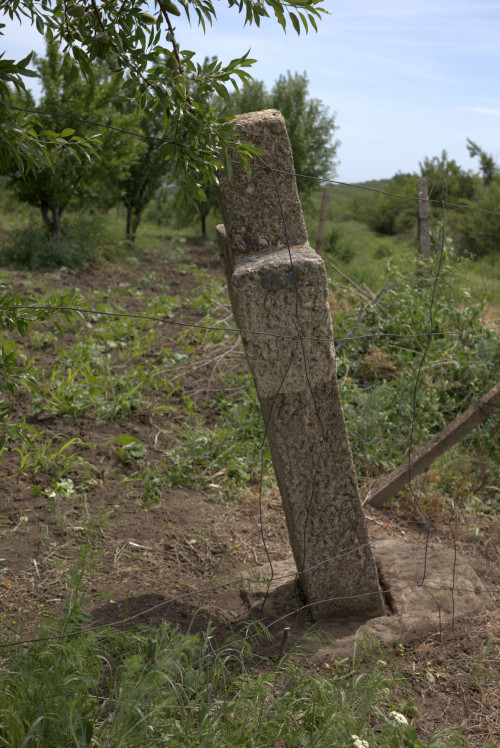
(322, 220)
(387, 486)
(424, 224)
(278, 288)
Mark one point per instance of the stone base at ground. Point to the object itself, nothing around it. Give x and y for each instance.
(425, 594)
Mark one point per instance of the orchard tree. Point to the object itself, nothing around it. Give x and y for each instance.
(310, 127)
(133, 42)
(139, 184)
(50, 187)
(91, 179)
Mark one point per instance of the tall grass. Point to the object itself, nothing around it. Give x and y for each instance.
(160, 687)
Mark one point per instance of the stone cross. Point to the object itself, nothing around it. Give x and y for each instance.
(278, 286)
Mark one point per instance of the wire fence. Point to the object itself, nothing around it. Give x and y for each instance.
(424, 520)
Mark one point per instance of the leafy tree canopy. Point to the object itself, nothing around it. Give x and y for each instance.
(149, 68)
(489, 169)
(446, 178)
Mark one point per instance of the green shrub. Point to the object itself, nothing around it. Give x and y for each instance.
(480, 232)
(387, 215)
(339, 246)
(82, 242)
(379, 369)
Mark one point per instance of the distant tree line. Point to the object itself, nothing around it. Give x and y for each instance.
(476, 232)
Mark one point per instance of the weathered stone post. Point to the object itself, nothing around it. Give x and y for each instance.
(285, 294)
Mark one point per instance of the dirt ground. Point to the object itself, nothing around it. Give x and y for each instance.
(176, 558)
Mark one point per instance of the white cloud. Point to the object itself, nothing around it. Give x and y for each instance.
(484, 110)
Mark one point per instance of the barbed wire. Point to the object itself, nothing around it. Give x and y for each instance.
(384, 192)
(215, 328)
(84, 121)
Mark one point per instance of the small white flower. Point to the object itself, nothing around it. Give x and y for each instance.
(358, 743)
(398, 718)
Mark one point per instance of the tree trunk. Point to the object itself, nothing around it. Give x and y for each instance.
(136, 219)
(56, 223)
(132, 223)
(129, 233)
(51, 216)
(203, 219)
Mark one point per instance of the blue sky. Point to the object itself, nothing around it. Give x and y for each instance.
(406, 79)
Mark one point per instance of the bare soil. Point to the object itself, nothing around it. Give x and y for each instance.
(173, 560)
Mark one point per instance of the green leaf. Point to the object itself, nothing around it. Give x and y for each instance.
(245, 164)
(280, 17)
(25, 61)
(251, 148)
(313, 22)
(228, 167)
(166, 150)
(200, 194)
(132, 445)
(67, 132)
(30, 73)
(295, 22)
